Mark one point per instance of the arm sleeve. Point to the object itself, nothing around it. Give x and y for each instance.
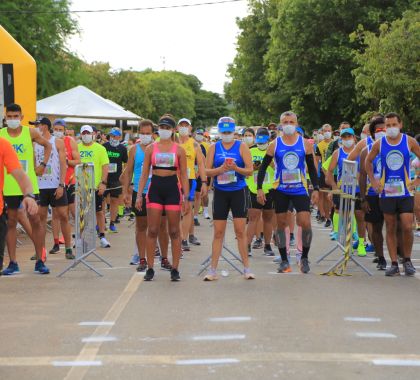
(125, 156)
(263, 168)
(317, 152)
(309, 158)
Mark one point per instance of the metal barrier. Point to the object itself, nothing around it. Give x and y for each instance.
(85, 233)
(347, 194)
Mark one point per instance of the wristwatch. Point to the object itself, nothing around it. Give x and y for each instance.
(103, 183)
(29, 195)
(43, 164)
(61, 185)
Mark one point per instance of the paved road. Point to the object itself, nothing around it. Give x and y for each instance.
(279, 326)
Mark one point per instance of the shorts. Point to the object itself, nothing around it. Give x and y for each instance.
(357, 205)
(47, 198)
(193, 185)
(143, 211)
(322, 183)
(71, 193)
(397, 205)
(199, 185)
(13, 202)
(375, 214)
(269, 204)
(99, 199)
(115, 190)
(282, 202)
(164, 193)
(237, 202)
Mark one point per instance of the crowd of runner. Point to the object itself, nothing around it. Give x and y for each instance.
(266, 180)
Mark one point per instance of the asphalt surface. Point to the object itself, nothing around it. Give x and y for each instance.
(278, 326)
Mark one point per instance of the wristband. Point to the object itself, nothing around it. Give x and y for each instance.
(29, 195)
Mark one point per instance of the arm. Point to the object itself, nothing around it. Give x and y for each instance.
(75, 154)
(144, 172)
(201, 168)
(25, 185)
(330, 173)
(363, 175)
(312, 171)
(183, 174)
(105, 168)
(357, 150)
(59, 144)
(36, 137)
(369, 166)
(127, 174)
(210, 170)
(246, 156)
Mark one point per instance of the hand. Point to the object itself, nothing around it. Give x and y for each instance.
(377, 186)
(261, 199)
(39, 170)
(204, 189)
(30, 206)
(365, 206)
(185, 207)
(127, 199)
(59, 192)
(414, 184)
(101, 189)
(315, 197)
(139, 202)
(231, 166)
(330, 197)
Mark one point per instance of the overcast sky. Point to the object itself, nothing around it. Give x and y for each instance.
(197, 40)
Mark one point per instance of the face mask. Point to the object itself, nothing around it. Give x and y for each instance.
(262, 146)
(392, 132)
(114, 143)
(184, 131)
(249, 140)
(327, 135)
(58, 134)
(165, 134)
(87, 139)
(145, 139)
(320, 137)
(336, 138)
(13, 123)
(379, 135)
(363, 136)
(348, 143)
(227, 138)
(199, 138)
(289, 129)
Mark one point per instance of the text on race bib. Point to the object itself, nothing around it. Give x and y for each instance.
(291, 176)
(225, 178)
(165, 160)
(112, 167)
(394, 189)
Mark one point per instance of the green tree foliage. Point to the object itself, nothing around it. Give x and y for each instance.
(209, 107)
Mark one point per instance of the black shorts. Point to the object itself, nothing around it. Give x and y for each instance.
(164, 193)
(13, 201)
(47, 198)
(375, 214)
(143, 211)
(397, 205)
(115, 189)
(71, 193)
(99, 199)
(282, 202)
(357, 205)
(237, 202)
(322, 183)
(269, 204)
(199, 185)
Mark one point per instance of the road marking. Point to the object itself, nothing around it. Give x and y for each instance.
(218, 337)
(361, 319)
(397, 362)
(75, 363)
(99, 339)
(285, 274)
(207, 361)
(375, 335)
(96, 323)
(230, 319)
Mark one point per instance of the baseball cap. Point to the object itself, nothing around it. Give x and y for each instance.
(262, 136)
(86, 128)
(300, 130)
(115, 132)
(199, 131)
(43, 121)
(167, 121)
(347, 131)
(226, 124)
(61, 122)
(184, 120)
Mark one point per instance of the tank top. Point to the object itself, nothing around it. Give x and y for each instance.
(369, 141)
(231, 180)
(191, 156)
(289, 161)
(342, 155)
(23, 147)
(376, 172)
(70, 178)
(395, 161)
(165, 160)
(251, 181)
(138, 168)
(51, 177)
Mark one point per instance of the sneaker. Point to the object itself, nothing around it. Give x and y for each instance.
(41, 268)
(370, 248)
(381, 263)
(142, 265)
(193, 240)
(409, 269)
(33, 257)
(327, 223)
(211, 276)
(258, 244)
(117, 220)
(268, 251)
(165, 264)
(332, 233)
(361, 250)
(196, 222)
(284, 267)
(55, 249)
(292, 241)
(105, 243)
(113, 229)
(13, 268)
(206, 215)
(135, 259)
(175, 275)
(392, 271)
(69, 255)
(248, 275)
(131, 217)
(304, 265)
(277, 259)
(321, 220)
(334, 236)
(356, 244)
(184, 246)
(157, 251)
(150, 273)
(298, 258)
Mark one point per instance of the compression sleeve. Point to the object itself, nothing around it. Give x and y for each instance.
(309, 158)
(263, 168)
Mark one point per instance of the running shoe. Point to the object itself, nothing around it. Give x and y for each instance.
(13, 268)
(55, 249)
(184, 246)
(211, 276)
(356, 244)
(370, 248)
(104, 243)
(334, 236)
(284, 267)
(117, 220)
(327, 223)
(248, 275)
(135, 259)
(392, 271)
(33, 257)
(142, 265)
(206, 215)
(332, 233)
(113, 229)
(277, 259)
(361, 250)
(304, 265)
(150, 273)
(131, 217)
(157, 251)
(175, 275)
(193, 240)
(375, 260)
(381, 265)
(409, 269)
(258, 244)
(321, 220)
(41, 268)
(69, 255)
(268, 251)
(298, 257)
(165, 264)
(196, 222)
(292, 241)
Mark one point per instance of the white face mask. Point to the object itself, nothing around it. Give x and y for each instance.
(336, 138)
(327, 135)
(249, 140)
(199, 138)
(13, 123)
(392, 132)
(348, 143)
(320, 137)
(379, 135)
(363, 136)
(184, 131)
(114, 143)
(165, 134)
(145, 139)
(58, 134)
(227, 138)
(289, 129)
(87, 139)
(262, 146)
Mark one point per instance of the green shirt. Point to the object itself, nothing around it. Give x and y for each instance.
(251, 181)
(95, 154)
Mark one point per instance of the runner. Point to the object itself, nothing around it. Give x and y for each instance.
(290, 153)
(394, 189)
(92, 152)
(22, 139)
(249, 137)
(229, 162)
(164, 193)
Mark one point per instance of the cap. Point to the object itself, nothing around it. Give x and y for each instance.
(347, 131)
(86, 128)
(167, 121)
(43, 121)
(184, 120)
(199, 131)
(226, 124)
(300, 130)
(262, 136)
(115, 132)
(61, 122)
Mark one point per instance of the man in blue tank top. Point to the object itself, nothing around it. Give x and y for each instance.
(394, 187)
(291, 153)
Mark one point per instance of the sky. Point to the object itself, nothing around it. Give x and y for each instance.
(197, 40)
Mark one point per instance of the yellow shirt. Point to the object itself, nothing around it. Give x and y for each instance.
(322, 147)
(191, 156)
(95, 154)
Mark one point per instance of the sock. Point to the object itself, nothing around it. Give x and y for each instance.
(68, 250)
(261, 235)
(407, 259)
(56, 241)
(121, 211)
(283, 254)
(268, 246)
(336, 219)
(305, 251)
(394, 263)
(101, 235)
(206, 210)
(292, 235)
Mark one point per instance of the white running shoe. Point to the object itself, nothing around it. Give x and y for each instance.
(206, 215)
(105, 243)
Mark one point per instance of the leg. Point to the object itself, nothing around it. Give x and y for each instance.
(62, 213)
(377, 238)
(153, 222)
(39, 231)
(11, 233)
(114, 203)
(267, 217)
(219, 227)
(174, 218)
(55, 224)
(391, 235)
(163, 237)
(23, 220)
(239, 225)
(100, 221)
(281, 232)
(406, 225)
(141, 229)
(253, 216)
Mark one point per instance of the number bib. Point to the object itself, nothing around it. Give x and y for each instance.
(112, 167)
(24, 164)
(165, 160)
(225, 178)
(394, 189)
(291, 176)
(48, 171)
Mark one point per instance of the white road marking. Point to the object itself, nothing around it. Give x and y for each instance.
(285, 274)
(99, 339)
(207, 361)
(92, 323)
(77, 363)
(374, 335)
(218, 337)
(230, 319)
(397, 362)
(362, 319)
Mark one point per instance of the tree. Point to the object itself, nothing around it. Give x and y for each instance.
(209, 107)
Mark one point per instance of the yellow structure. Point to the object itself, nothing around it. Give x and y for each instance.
(24, 75)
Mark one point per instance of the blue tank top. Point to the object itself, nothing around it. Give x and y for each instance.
(289, 161)
(138, 167)
(229, 181)
(395, 174)
(376, 172)
(342, 155)
(369, 141)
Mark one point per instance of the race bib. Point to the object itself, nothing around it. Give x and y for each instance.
(225, 178)
(112, 167)
(266, 178)
(394, 189)
(24, 164)
(48, 171)
(165, 160)
(291, 176)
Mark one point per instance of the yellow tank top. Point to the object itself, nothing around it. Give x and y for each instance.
(191, 156)
(23, 147)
